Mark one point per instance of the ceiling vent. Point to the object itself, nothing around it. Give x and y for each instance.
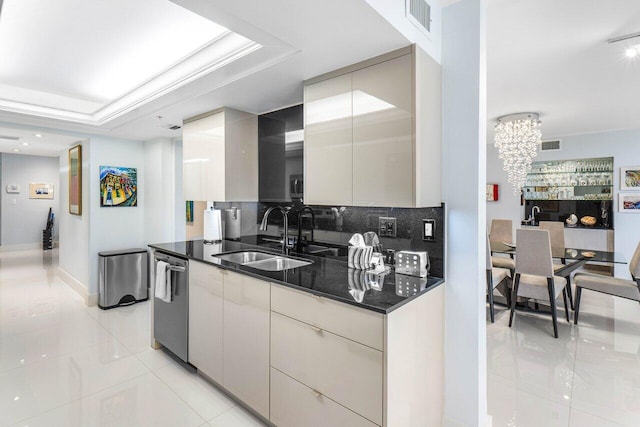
(419, 13)
(550, 145)
(175, 127)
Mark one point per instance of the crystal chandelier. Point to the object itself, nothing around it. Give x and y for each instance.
(517, 139)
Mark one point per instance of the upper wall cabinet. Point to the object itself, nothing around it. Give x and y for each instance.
(373, 133)
(220, 155)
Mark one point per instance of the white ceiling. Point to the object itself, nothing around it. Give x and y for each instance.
(552, 57)
(26, 142)
(299, 40)
(543, 56)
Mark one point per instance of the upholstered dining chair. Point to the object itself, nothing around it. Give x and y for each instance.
(629, 289)
(556, 235)
(502, 232)
(495, 276)
(534, 278)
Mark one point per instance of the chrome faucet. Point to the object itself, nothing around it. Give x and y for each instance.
(313, 225)
(535, 210)
(285, 239)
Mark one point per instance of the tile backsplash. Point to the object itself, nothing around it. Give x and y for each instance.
(336, 225)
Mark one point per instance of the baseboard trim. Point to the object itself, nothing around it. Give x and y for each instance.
(20, 247)
(78, 287)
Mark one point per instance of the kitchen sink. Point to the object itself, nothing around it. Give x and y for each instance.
(278, 264)
(245, 257)
(263, 261)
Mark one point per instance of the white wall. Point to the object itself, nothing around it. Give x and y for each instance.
(162, 200)
(464, 151)
(113, 228)
(623, 146)
(74, 229)
(23, 222)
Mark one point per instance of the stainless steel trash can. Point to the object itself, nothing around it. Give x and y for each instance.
(123, 277)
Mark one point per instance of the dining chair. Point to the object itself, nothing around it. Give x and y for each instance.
(495, 276)
(623, 288)
(534, 277)
(556, 235)
(502, 231)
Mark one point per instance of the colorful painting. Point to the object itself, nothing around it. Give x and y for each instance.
(189, 210)
(41, 191)
(630, 178)
(629, 203)
(118, 186)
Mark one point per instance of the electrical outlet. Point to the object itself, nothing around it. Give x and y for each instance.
(387, 226)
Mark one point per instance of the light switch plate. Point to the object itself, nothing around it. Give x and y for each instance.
(387, 226)
(429, 229)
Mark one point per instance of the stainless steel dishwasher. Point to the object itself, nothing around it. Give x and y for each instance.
(171, 319)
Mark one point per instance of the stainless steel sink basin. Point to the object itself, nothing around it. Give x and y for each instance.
(278, 264)
(245, 257)
(263, 261)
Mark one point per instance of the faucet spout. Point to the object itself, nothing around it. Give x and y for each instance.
(285, 239)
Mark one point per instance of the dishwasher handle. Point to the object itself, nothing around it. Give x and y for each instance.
(176, 268)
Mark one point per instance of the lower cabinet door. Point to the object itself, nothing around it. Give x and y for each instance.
(343, 370)
(295, 405)
(246, 340)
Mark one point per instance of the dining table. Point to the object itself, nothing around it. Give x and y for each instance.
(571, 258)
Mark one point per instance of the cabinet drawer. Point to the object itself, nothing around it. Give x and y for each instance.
(295, 405)
(343, 370)
(357, 324)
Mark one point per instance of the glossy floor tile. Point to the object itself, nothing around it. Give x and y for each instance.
(589, 376)
(64, 364)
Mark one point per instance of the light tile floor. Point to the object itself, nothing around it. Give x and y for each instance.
(588, 377)
(63, 364)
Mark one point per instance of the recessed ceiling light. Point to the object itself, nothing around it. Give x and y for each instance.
(15, 150)
(25, 143)
(38, 135)
(632, 52)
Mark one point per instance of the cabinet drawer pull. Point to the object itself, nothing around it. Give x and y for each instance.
(316, 393)
(318, 330)
(318, 297)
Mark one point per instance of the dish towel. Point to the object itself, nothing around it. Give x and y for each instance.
(163, 281)
(371, 239)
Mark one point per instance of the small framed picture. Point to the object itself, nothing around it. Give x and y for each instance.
(630, 178)
(492, 192)
(629, 202)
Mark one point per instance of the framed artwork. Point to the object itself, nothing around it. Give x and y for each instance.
(41, 191)
(189, 210)
(118, 186)
(629, 202)
(75, 180)
(492, 192)
(630, 178)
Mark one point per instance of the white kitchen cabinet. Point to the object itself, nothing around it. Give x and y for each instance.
(220, 156)
(354, 323)
(246, 335)
(328, 142)
(205, 319)
(382, 134)
(390, 145)
(311, 408)
(323, 361)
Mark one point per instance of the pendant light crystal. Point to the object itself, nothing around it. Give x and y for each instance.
(517, 139)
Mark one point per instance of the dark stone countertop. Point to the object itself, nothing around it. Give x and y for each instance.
(578, 226)
(325, 277)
